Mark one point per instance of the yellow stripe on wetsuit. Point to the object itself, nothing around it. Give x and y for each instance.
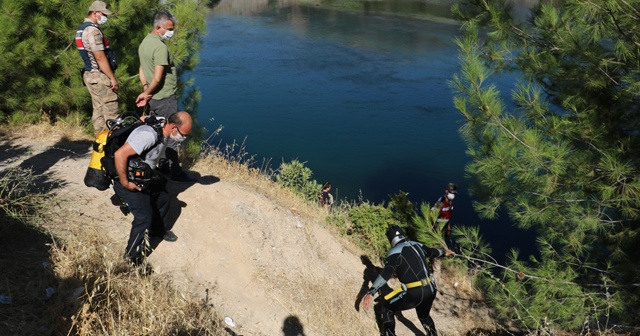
(404, 287)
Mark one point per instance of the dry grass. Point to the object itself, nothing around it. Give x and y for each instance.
(320, 303)
(100, 294)
(460, 281)
(241, 169)
(25, 275)
(82, 287)
(45, 132)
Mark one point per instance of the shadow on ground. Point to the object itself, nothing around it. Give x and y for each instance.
(39, 163)
(27, 282)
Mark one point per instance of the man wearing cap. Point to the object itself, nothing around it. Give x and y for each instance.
(159, 81)
(445, 207)
(99, 66)
(406, 259)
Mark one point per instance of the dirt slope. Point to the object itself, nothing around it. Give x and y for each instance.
(264, 266)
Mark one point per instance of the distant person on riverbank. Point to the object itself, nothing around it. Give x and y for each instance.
(99, 66)
(444, 206)
(324, 197)
(159, 83)
(408, 260)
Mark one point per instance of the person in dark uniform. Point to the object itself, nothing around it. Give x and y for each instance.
(408, 260)
(327, 198)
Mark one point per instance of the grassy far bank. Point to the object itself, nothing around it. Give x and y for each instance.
(438, 11)
(67, 279)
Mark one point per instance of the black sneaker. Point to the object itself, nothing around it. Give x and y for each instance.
(170, 236)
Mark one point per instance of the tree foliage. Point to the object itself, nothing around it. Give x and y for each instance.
(560, 154)
(403, 211)
(40, 72)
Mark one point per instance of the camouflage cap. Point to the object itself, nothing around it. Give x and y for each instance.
(100, 6)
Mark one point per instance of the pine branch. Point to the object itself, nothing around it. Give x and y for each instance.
(511, 134)
(63, 51)
(510, 294)
(633, 9)
(521, 275)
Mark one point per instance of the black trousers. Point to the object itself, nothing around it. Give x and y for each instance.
(420, 298)
(165, 108)
(148, 208)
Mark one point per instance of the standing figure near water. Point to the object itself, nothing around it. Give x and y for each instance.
(324, 197)
(444, 206)
(159, 83)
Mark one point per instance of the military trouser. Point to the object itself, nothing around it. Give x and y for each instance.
(103, 99)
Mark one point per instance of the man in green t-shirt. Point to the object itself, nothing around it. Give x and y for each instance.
(159, 81)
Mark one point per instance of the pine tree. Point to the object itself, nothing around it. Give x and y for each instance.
(560, 154)
(40, 72)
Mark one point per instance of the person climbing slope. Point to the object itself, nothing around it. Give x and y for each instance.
(408, 260)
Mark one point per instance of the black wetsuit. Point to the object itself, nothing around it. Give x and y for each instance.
(408, 261)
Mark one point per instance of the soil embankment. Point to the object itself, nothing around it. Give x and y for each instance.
(263, 265)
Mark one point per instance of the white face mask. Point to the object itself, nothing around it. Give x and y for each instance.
(167, 35)
(451, 196)
(178, 137)
(102, 20)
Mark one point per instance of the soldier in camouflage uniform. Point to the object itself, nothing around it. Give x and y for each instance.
(99, 66)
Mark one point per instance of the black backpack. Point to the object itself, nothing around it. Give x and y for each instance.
(138, 171)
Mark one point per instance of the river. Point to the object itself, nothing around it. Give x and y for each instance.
(361, 96)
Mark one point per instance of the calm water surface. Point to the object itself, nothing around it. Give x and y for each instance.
(363, 99)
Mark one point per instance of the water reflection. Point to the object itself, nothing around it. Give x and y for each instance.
(249, 7)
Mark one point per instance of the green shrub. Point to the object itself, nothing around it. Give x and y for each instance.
(297, 178)
(403, 211)
(369, 224)
(21, 117)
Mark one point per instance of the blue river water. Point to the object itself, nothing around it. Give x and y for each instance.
(363, 99)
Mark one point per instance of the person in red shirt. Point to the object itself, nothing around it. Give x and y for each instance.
(445, 207)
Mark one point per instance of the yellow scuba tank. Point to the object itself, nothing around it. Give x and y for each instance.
(96, 176)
